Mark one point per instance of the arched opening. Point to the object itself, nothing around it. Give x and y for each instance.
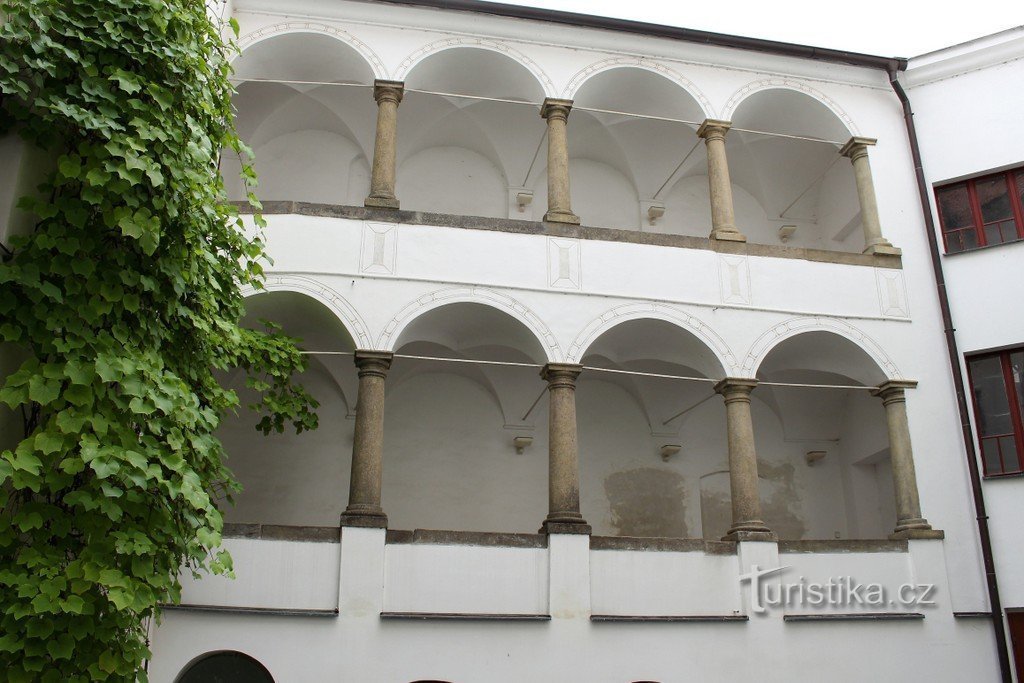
(822, 452)
(225, 667)
(288, 478)
(310, 128)
(799, 181)
(645, 440)
(621, 165)
(450, 455)
(465, 155)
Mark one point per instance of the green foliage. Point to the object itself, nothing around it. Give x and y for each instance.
(125, 300)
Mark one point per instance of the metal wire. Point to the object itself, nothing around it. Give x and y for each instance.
(537, 106)
(635, 373)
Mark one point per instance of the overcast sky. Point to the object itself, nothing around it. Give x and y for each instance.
(890, 28)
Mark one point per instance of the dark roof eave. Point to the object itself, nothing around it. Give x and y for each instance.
(661, 31)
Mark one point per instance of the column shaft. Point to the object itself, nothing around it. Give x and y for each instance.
(563, 452)
(746, 502)
(723, 217)
(909, 522)
(382, 180)
(364, 496)
(556, 112)
(874, 243)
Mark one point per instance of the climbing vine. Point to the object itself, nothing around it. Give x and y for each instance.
(122, 305)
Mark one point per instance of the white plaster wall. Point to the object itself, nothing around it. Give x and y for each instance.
(968, 124)
(639, 583)
(270, 574)
(465, 579)
(452, 180)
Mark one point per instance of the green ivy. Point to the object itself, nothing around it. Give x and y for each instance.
(125, 300)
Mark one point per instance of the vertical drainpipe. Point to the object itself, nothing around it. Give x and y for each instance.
(958, 380)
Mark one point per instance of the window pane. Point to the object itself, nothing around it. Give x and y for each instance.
(1017, 368)
(1020, 186)
(993, 198)
(990, 396)
(1008, 446)
(970, 239)
(955, 208)
(990, 453)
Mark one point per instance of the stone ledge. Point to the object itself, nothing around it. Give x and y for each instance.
(460, 616)
(480, 538)
(279, 532)
(672, 619)
(266, 611)
(844, 546)
(511, 225)
(662, 544)
(854, 616)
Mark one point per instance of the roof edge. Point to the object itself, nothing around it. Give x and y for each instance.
(660, 31)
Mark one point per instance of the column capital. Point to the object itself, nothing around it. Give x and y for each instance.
(373, 362)
(555, 108)
(388, 90)
(713, 128)
(893, 389)
(735, 387)
(856, 147)
(561, 374)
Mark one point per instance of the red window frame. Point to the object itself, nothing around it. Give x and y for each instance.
(1014, 188)
(1014, 403)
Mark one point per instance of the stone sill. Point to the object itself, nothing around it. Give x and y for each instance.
(844, 546)
(674, 619)
(663, 544)
(279, 532)
(510, 225)
(265, 611)
(853, 616)
(461, 616)
(332, 534)
(479, 538)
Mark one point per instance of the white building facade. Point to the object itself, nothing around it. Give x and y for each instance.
(667, 299)
(978, 228)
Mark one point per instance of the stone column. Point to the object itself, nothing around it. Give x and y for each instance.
(723, 217)
(368, 444)
(382, 179)
(556, 112)
(563, 452)
(746, 502)
(857, 151)
(909, 522)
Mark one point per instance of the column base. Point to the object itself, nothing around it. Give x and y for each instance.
(561, 217)
(916, 529)
(883, 250)
(747, 535)
(365, 519)
(381, 202)
(728, 236)
(565, 523)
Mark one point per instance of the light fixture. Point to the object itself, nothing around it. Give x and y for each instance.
(668, 450)
(522, 443)
(785, 232)
(814, 456)
(654, 212)
(523, 200)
